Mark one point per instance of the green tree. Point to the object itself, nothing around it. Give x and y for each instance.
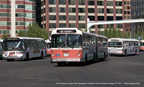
(4, 36)
(100, 32)
(106, 32)
(44, 34)
(110, 33)
(22, 33)
(35, 31)
(119, 33)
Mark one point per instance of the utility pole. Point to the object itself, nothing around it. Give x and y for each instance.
(13, 26)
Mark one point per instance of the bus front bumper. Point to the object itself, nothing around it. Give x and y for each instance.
(117, 53)
(53, 60)
(14, 57)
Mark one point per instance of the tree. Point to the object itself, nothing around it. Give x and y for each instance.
(22, 33)
(4, 36)
(106, 32)
(119, 33)
(34, 31)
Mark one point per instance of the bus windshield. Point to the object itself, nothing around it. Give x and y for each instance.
(12, 45)
(141, 43)
(69, 41)
(114, 44)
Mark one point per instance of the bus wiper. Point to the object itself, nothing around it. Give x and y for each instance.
(62, 45)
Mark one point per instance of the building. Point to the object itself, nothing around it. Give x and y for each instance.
(137, 12)
(127, 14)
(16, 15)
(74, 13)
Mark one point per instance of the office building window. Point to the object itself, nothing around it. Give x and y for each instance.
(81, 2)
(52, 1)
(91, 2)
(72, 2)
(91, 10)
(62, 2)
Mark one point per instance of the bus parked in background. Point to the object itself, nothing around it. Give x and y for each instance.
(73, 45)
(142, 45)
(48, 44)
(23, 48)
(122, 46)
(1, 42)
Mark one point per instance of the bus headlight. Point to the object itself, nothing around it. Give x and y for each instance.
(52, 54)
(79, 55)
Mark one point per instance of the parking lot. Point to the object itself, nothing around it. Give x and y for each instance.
(116, 71)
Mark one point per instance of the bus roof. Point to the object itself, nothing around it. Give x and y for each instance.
(24, 38)
(121, 39)
(68, 30)
(77, 32)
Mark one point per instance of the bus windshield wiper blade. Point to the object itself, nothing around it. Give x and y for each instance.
(61, 45)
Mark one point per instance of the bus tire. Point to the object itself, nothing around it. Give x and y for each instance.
(135, 52)
(27, 57)
(94, 58)
(103, 59)
(9, 60)
(85, 60)
(125, 53)
(41, 55)
(60, 63)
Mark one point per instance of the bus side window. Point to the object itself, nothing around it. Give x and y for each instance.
(135, 43)
(99, 41)
(84, 40)
(104, 42)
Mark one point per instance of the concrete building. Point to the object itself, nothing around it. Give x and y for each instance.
(16, 15)
(127, 14)
(74, 13)
(137, 12)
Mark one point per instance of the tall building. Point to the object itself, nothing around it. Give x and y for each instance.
(74, 13)
(127, 14)
(16, 15)
(137, 12)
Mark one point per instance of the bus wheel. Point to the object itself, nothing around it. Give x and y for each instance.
(60, 63)
(85, 60)
(41, 55)
(135, 52)
(27, 57)
(125, 53)
(103, 59)
(93, 58)
(9, 60)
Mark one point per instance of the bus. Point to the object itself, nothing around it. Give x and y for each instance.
(121, 46)
(72, 45)
(1, 42)
(23, 48)
(142, 45)
(48, 44)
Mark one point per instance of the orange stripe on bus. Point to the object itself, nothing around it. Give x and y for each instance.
(72, 53)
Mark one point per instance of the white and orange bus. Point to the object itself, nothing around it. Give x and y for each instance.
(73, 45)
(142, 45)
(48, 44)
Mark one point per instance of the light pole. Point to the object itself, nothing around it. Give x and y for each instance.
(13, 26)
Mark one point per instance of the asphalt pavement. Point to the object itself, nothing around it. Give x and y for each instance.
(116, 71)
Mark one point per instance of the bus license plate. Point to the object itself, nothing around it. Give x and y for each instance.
(66, 55)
